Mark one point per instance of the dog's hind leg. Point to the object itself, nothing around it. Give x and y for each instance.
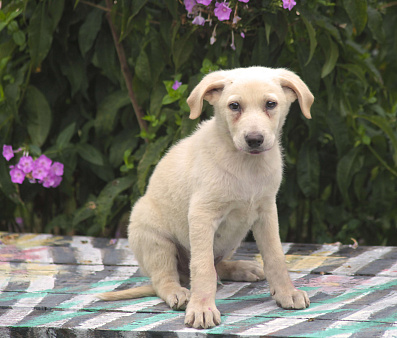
(158, 257)
(240, 271)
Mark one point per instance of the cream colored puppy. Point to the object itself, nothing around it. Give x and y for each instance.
(211, 188)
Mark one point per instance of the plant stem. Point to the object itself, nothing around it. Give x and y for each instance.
(125, 69)
(381, 160)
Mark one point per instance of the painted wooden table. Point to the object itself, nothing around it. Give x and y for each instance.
(48, 286)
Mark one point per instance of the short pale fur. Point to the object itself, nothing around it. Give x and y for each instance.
(210, 189)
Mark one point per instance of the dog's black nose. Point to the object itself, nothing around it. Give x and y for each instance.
(254, 140)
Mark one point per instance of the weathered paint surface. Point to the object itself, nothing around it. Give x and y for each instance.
(48, 286)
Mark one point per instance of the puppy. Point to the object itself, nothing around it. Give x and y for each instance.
(210, 189)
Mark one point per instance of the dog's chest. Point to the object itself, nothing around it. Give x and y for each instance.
(234, 227)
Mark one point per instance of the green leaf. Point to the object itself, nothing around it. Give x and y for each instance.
(105, 57)
(73, 67)
(90, 153)
(151, 156)
(6, 49)
(355, 70)
(5, 20)
(107, 111)
(182, 49)
(137, 5)
(375, 24)
(308, 170)
(39, 115)
(142, 67)
(312, 38)
(347, 167)
(6, 186)
(19, 38)
(39, 35)
(66, 135)
(55, 10)
(386, 127)
(123, 141)
(89, 30)
(82, 214)
(167, 99)
(331, 57)
(327, 24)
(357, 11)
(107, 196)
(340, 131)
(61, 222)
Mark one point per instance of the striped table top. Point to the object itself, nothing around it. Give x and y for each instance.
(48, 286)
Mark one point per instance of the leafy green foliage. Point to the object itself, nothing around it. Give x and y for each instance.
(63, 93)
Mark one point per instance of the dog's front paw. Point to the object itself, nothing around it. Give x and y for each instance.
(200, 315)
(293, 299)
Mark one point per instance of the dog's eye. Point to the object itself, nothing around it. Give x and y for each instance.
(235, 106)
(271, 104)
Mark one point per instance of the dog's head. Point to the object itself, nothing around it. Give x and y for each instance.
(253, 102)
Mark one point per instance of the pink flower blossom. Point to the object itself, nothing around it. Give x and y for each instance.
(222, 11)
(51, 181)
(57, 181)
(39, 173)
(204, 2)
(242, 35)
(8, 154)
(43, 161)
(288, 4)
(42, 169)
(176, 85)
(57, 168)
(189, 4)
(17, 175)
(25, 164)
(198, 20)
(245, 1)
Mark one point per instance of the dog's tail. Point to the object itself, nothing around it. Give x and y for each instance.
(138, 292)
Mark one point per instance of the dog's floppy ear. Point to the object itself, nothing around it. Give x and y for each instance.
(305, 97)
(208, 89)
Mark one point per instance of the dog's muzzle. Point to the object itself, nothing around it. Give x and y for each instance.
(254, 141)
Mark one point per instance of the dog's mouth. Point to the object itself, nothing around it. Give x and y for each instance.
(255, 151)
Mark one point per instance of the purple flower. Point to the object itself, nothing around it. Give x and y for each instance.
(189, 4)
(25, 164)
(242, 35)
(222, 11)
(204, 2)
(288, 4)
(43, 161)
(176, 85)
(245, 1)
(17, 175)
(39, 172)
(51, 181)
(19, 221)
(41, 167)
(198, 20)
(7, 152)
(57, 181)
(57, 169)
